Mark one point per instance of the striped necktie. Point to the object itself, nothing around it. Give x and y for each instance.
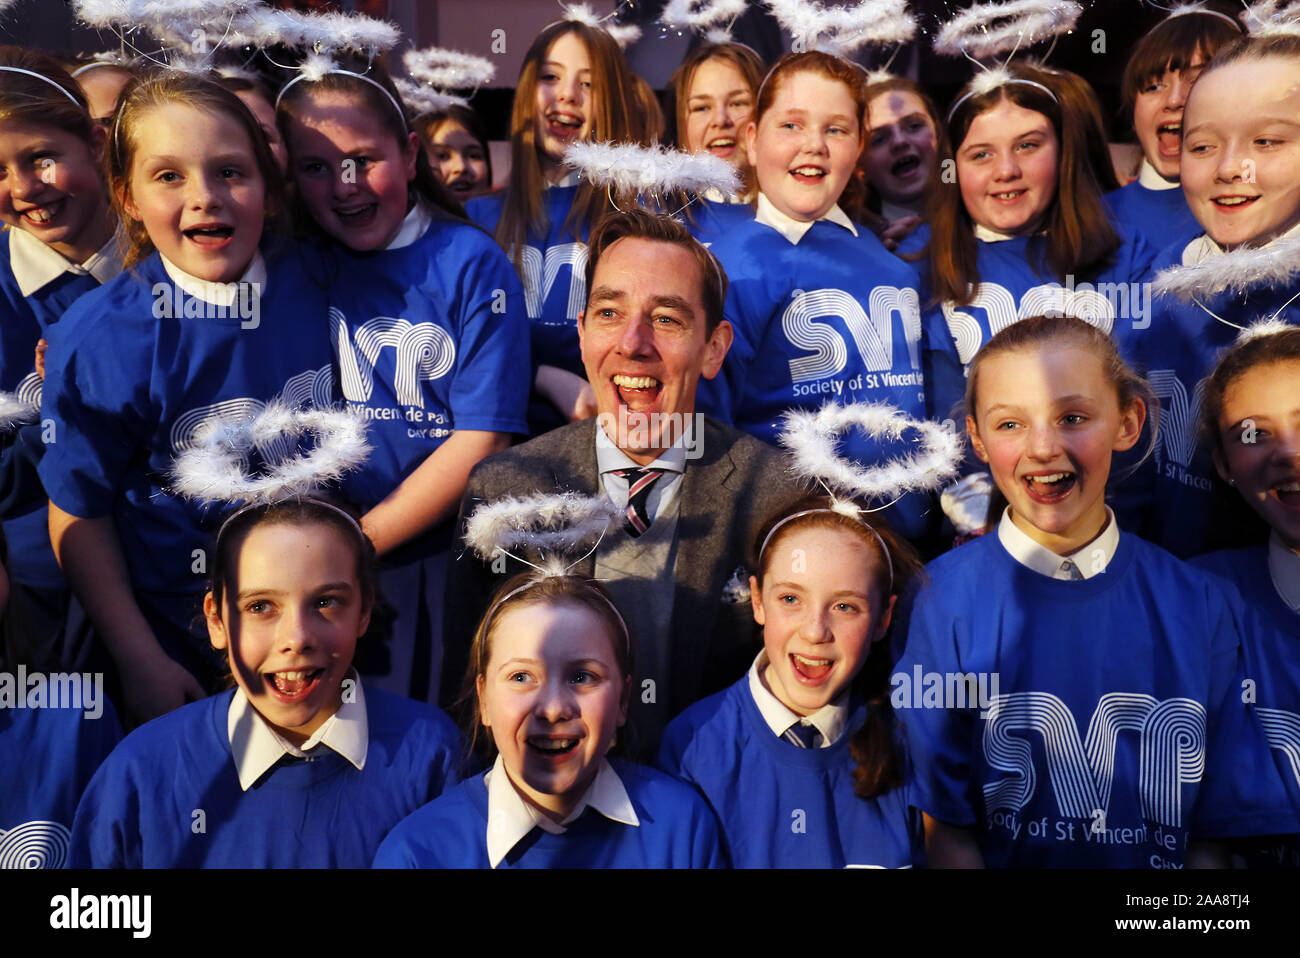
(639, 484)
(805, 736)
(1071, 570)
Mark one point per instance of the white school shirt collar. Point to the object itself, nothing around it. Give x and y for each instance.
(609, 457)
(1149, 178)
(1044, 561)
(511, 817)
(792, 229)
(255, 746)
(217, 294)
(1203, 248)
(571, 178)
(830, 719)
(1284, 568)
(991, 236)
(414, 225)
(36, 265)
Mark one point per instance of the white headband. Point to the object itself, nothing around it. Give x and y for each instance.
(347, 73)
(41, 76)
(977, 92)
(1190, 8)
(889, 562)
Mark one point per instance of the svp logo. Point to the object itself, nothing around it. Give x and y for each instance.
(315, 387)
(423, 352)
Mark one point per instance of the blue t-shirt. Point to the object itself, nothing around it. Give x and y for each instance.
(710, 220)
(1116, 728)
(835, 317)
(782, 806)
(554, 276)
(1272, 648)
(1176, 497)
(1161, 217)
(129, 385)
(429, 338)
(676, 830)
(50, 755)
(23, 321)
(169, 796)
(1016, 283)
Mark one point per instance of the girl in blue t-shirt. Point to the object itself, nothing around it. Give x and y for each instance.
(820, 310)
(428, 325)
(1160, 71)
(1251, 421)
(1114, 733)
(713, 94)
(59, 245)
(800, 759)
(1026, 232)
(1240, 171)
(205, 326)
(549, 677)
(573, 85)
(299, 765)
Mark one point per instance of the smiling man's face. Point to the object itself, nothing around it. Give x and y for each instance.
(645, 342)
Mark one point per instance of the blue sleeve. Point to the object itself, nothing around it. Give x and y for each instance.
(1241, 793)
(489, 390)
(106, 829)
(394, 851)
(97, 411)
(938, 739)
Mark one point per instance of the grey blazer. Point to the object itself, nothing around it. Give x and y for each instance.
(726, 494)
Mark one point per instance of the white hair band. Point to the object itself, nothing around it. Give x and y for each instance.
(41, 76)
(976, 92)
(889, 562)
(347, 73)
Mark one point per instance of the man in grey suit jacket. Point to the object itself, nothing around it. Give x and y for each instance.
(695, 491)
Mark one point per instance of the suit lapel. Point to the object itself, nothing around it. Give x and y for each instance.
(576, 469)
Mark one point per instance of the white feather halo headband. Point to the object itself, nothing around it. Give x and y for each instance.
(1265, 327)
(839, 30)
(711, 19)
(657, 171)
(213, 467)
(989, 29)
(810, 437)
(189, 31)
(1235, 271)
(16, 409)
(424, 99)
(1271, 18)
(448, 69)
(548, 523)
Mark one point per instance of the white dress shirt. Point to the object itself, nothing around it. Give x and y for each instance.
(663, 494)
(830, 719)
(792, 229)
(36, 265)
(1149, 178)
(1284, 569)
(218, 294)
(1090, 559)
(415, 224)
(256, 746)
(511, 817)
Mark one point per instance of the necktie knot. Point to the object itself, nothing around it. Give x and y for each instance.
(640, 481)
(1071, 570)
(805, 736)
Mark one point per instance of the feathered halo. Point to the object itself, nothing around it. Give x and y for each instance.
(624, 34)
(448, 69)
(213, 468)
(650, 173)
(712, 19)
(810, 437)
(987, 30)
(1265, 327)
(435, 71)
(554, 525)
(190, 32)
(1272, 18)
(16, 410)
(839, 30)
(1235, 272)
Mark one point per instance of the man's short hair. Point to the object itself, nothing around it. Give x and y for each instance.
(638, 224)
